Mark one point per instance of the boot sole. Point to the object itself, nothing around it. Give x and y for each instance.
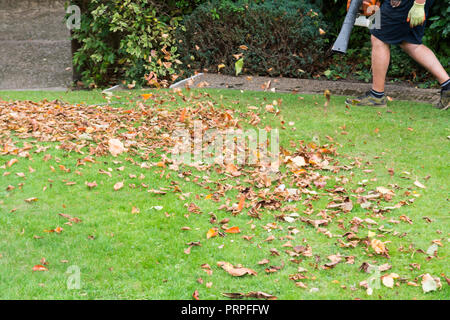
(351, 103)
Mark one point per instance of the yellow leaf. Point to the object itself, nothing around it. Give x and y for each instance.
(211, 233)
(378, 246)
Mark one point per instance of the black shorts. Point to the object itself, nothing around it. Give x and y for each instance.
(394, 27)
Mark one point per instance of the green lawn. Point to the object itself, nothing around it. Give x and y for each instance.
(125, 255)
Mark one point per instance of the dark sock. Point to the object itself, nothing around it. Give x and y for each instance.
(446, 85)
(377, 94)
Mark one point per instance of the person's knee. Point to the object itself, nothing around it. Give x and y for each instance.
(377, 43)
(409, 47)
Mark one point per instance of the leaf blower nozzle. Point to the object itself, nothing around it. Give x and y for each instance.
(342, 40)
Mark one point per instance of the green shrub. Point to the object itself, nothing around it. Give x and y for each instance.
(128, 40)
(275, 38)
(437, 36)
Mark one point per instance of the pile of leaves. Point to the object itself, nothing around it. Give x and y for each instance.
(310, 188)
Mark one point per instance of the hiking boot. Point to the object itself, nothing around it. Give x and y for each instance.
(368, 100)
(444, 103)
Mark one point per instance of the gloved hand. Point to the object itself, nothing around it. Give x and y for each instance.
(416, 15)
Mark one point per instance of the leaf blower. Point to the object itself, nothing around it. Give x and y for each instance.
(358, 12)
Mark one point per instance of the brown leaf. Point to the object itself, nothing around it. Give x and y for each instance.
(207, 268)
(378, 246)
(264, 261)
(11, 162)
(118, 186)
(236, 271)
(195, 295)
(91, 185)
(71, 219)
(115, 147)
(252, 294)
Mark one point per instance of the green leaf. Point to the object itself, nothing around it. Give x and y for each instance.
(239, 65)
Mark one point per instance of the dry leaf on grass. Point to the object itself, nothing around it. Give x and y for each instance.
(236, 271)
(116, 147)
(39, 267)
(430, 283)
(252, 294)
(118, 186)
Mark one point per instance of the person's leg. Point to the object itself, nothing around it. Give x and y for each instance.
(424, 56)
(381, 55)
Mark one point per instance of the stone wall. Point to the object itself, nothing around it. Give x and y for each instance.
(35, 47)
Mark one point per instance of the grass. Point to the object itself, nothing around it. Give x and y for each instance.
(141, 256)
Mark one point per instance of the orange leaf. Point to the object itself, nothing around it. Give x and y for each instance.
(183, 115)
(146, 96)
(39, 267)
(58, 229)
(233, 230)
(161, 164)
(241, 203)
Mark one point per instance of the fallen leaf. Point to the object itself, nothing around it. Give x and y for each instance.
(118, 186)
(418, 184)
(233, 230)
(429, 283)
(116, 147)
(235, 271)
(195, 295)
(211, 233)
(39, 267)
(378, 246)
(252, 294)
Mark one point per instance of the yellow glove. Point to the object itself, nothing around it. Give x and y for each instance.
(416, 15)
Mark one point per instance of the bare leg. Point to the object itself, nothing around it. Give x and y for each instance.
(381, 55)
(423, 55)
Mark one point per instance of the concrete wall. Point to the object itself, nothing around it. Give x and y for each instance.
(35, 47)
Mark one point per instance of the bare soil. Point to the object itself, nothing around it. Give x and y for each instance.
(344, 88)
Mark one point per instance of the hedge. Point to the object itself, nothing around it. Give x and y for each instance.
(157, 41)
(274, 37)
